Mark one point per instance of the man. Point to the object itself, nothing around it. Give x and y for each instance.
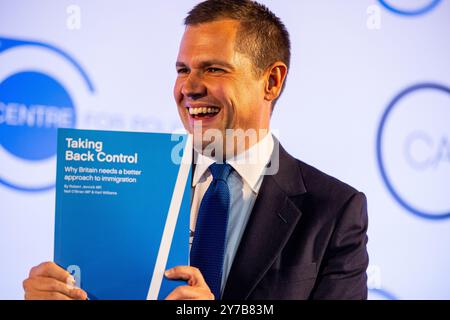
(293, 234)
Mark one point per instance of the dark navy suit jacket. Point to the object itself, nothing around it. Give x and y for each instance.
(305, 239)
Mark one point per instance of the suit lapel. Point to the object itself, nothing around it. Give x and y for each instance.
(273, 218)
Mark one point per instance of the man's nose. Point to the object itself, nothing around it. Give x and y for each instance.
(193, 87)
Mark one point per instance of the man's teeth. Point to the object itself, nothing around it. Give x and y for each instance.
(195, 111)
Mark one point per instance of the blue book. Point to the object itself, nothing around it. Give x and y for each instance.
(122, 211)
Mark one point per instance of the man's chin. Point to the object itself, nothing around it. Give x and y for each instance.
(207, 139)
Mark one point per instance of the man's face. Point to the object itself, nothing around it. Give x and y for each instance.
(216, 84)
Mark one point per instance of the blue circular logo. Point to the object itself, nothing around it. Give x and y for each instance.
(413, 150)
(32, 107)
(419, 10)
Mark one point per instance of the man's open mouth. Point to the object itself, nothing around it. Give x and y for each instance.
(203, 112)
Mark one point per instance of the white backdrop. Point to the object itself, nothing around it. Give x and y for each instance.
(351, 59)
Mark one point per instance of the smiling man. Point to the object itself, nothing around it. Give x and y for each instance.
(218, 84)
(256, 233)
(292, 234)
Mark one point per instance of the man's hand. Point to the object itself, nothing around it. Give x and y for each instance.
(197, 289)
(48, 281)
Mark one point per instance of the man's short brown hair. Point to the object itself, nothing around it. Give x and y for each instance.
(262, 35)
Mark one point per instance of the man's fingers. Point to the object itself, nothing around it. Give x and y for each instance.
(49, 281)
(43, 295)
(50, 270)
(196, 290)
(44, 284)
(190, 274)
(190, 293)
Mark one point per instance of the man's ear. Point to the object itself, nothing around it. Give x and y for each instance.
(275, 76)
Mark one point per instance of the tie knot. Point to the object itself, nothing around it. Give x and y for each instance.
(220, 171)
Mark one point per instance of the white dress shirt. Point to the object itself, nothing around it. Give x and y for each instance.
(244, 183)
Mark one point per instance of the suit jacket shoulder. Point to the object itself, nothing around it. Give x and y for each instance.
(305, 239)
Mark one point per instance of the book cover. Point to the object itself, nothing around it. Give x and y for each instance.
(122, 210)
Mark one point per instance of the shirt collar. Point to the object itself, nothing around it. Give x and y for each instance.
(250, 165)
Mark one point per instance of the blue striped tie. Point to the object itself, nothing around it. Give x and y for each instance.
(208, 247)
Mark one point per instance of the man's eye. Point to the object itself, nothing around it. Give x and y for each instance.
(182, 70)
(215, 70)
